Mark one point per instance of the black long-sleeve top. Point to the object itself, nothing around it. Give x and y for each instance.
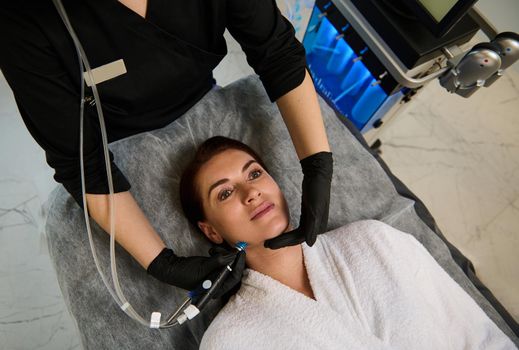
(169, 56)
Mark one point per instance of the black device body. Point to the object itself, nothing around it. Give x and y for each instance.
(409, 38)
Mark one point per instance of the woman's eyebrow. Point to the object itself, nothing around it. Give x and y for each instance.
(219, 182)
(216, 184)
(247, 165)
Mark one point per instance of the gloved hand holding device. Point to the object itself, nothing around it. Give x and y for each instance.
(234, 278)
(315, 202)
(189, 272)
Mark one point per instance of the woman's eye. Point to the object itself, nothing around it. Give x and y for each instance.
(255, 174)
(224, 194)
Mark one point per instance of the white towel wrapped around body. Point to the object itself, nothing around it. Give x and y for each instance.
(375, 287)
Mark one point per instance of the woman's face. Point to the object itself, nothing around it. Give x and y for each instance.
(241, 201)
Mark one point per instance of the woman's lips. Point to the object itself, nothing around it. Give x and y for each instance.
(262, 210)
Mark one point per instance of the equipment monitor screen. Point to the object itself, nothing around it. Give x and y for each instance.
(439, 15)
(438, 9)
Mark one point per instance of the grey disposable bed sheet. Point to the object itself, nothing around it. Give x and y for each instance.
(153, 162)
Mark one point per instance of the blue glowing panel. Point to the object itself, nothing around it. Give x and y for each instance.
(325, 36)
(338, 74)
(341, 56)
(368, 102)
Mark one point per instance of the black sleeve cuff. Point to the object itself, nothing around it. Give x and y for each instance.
(98, 185)
(269, 42)
(287, 67)
(276, 88)
(96, 181)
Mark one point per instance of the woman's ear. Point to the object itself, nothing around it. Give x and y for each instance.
(210, 233)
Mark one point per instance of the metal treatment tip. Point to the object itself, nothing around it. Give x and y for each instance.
(241, 245)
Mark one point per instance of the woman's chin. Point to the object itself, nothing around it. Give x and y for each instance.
(277, 228)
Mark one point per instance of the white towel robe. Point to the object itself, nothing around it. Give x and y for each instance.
(375, 288)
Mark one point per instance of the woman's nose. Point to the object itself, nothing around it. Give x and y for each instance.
(252, 194)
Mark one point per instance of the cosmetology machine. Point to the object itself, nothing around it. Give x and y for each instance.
(369, 57)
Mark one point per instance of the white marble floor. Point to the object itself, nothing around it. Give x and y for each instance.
(460, 156)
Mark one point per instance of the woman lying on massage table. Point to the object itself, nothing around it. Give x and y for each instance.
(364, 285)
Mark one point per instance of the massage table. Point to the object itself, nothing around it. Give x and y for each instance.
(363, 187)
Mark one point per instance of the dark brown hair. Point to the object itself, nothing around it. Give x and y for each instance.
(189, 193)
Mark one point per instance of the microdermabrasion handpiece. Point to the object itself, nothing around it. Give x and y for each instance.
(508, 43)
(472, 70)
(194, 309)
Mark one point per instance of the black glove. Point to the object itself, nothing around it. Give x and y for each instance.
(315, 202)
(189, 272)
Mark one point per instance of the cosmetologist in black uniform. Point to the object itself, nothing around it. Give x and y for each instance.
(169, 49)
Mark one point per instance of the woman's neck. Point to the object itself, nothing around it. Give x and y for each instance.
(285, 265)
